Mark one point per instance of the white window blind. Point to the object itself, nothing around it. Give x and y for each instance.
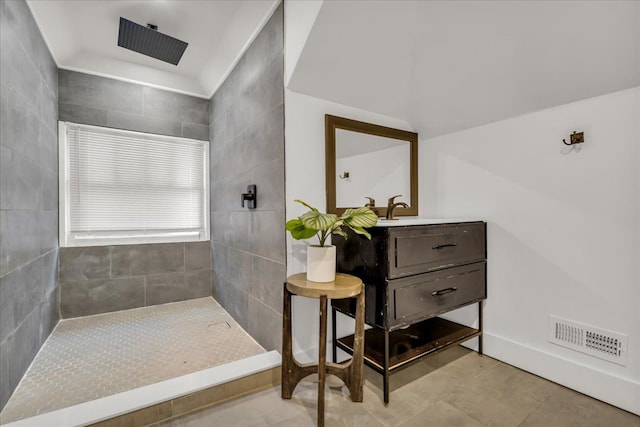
(128, 187)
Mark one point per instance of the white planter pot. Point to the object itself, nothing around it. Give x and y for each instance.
(321, 263)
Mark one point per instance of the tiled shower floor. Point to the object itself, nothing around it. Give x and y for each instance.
(96, 356)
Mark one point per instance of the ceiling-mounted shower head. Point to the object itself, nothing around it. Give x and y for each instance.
(148, 41)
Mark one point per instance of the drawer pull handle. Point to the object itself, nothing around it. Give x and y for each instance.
(446, 245)
(444, 291)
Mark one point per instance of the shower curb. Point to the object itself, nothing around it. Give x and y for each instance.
(168, 399)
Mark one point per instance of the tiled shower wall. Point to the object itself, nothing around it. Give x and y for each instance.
(100, 101)
(28, 193)
(108, 278)
(101, 279)
(247, 134)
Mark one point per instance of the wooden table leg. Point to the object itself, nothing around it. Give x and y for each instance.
(322, 359)
(287, 351)
(357, 366)
(334, 332)
(352, 372)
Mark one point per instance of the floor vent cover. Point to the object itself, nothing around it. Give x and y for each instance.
(607, 345)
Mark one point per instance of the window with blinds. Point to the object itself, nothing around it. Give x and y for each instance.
(123, 187)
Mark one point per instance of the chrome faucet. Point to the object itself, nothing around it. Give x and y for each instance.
(392, 204)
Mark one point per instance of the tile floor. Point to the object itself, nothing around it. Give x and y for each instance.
(96, 356)
(454, 388)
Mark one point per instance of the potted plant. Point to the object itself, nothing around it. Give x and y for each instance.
(321, 259)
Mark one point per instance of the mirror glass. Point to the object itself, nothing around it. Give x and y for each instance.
(371, 166)
(367, 160)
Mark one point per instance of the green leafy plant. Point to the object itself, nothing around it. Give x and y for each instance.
(316, 223)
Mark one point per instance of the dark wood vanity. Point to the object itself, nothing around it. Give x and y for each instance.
(413, 273)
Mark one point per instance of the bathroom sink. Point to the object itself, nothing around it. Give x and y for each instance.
(416, 220)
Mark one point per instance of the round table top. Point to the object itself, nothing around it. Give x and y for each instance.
(345, 286)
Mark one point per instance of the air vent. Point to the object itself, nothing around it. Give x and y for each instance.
(607, 345)
(148, 41)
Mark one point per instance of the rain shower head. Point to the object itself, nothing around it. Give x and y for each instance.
(148, 41)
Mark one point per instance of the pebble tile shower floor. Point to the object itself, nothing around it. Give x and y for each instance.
(95, 356)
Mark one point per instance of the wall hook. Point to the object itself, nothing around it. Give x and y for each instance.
(574, 138)
(251, 196)
(344, 175)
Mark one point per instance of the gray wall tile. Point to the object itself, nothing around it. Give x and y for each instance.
(99, 92)
(198, 283)
(121, 261)
(171, 287)
(269, 278)
(6, 388)
(270, 175)
(141, 123)
(24, 345)
(20, 238)
(265, 325)
(49, 314)
(19, 72)
(197, 256)
(76, 264)
(7, 303)
(195, 131)
(153, 259)
(48, 189)
(260, 135)
(169, 271)
(101, 101)
(164, 288)
(21, 181)
(236, 303)
(47, 230)
(48, 107)
(5, 249)
(247, 134)
(28, 195)
(82, 298)
(121, 96)
(50, 270)
(19, 22)
(175, 106)
(269, 223)
(238, 268)
(18, 131)
(28, 290)
(219, 256)
(268, 90)
(82, 114)
(266, 47)
(48, 148)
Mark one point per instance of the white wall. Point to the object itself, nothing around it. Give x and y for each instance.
(305, 179)
(299, 15)
(563, 232)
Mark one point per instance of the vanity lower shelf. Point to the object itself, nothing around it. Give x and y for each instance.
(409, 344)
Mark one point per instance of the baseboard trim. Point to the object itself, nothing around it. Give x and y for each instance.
(621, 392)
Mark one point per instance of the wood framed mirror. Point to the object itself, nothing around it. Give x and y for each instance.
(367, 160)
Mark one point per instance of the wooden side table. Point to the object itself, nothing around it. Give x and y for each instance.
(352, 372)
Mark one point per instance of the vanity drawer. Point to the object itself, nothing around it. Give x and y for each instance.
(433, 293)
(416, 250)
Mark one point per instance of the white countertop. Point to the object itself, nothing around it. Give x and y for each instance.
(404, 221)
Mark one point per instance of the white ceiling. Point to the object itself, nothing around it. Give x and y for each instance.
(445, 66)
(83, 35)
